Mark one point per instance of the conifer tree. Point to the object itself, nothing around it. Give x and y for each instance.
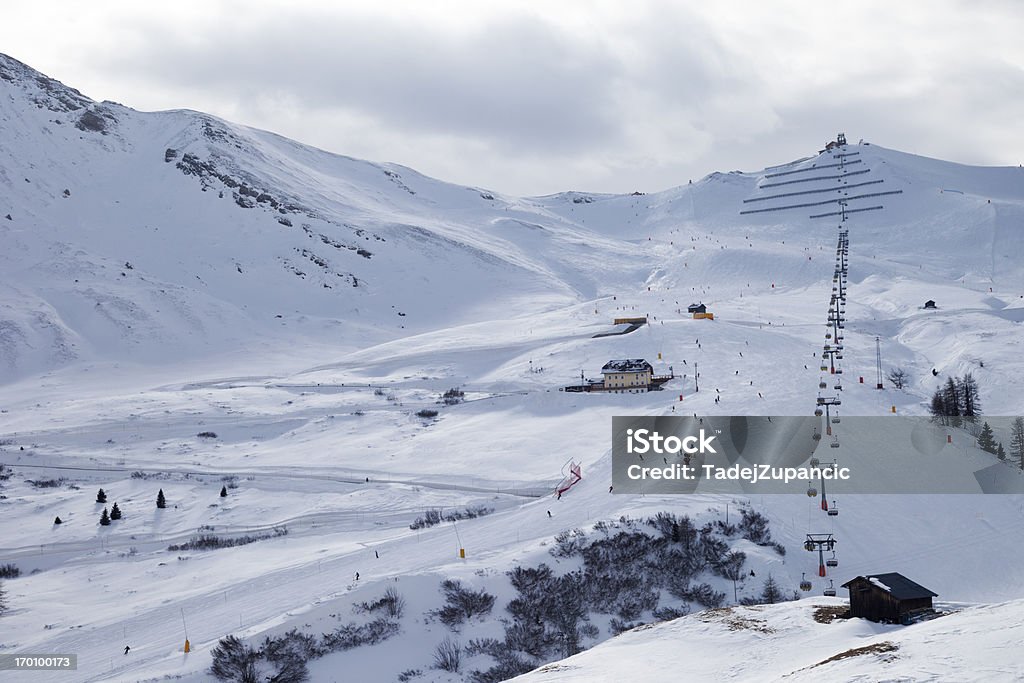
(986, 440)
(223, 491)
(1000, 451)
(938, 408)
(105, 518)
(115, 512)
(970, 404)
(951, 402)
(770, 592)
(101, 496)
(1017, 440)
(161, 502)
(58, 521)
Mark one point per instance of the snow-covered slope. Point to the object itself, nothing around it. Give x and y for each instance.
(202, 277)
(785, 642)
(171, 235)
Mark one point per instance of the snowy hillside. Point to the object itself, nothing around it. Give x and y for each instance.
(787, 642)
(191, 306)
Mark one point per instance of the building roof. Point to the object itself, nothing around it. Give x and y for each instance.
(899, 586)
(628, 365)
(696, 308)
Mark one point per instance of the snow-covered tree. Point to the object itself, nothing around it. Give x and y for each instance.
(105, 518)
(115, 512)
(101, 496)
(161, 502)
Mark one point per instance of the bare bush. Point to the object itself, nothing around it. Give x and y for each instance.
(462, 603)
(391, 603)
(448, 656)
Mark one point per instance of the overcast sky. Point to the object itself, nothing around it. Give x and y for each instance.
(540, 97)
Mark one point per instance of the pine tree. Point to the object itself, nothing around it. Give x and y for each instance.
(58, 521)
(3, 598)
(101, 496)
(951, 402)
(1017, 440)
(115, 512)
(770, 592)
(986, 440)
(105, 518)
(938, 408)
(1000, 451)
(970, 404)
(223, 491)
(161, 502)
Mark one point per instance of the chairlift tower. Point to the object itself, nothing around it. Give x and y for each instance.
(824, 500)
(828, 402)
(821, 543)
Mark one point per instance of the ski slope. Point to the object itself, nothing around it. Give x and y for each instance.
(783, 641)
(310, 360)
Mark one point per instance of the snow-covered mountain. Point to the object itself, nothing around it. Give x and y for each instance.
(170, 274)
(167, 235)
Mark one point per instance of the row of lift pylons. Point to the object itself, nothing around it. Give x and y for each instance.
(828, 407)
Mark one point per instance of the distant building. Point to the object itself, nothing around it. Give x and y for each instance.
(630, 321)
(930, 304)
(700, 312)
(627, 376)
(888, 598)
(840, 141)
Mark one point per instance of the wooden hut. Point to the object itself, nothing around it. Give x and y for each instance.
(887, 598)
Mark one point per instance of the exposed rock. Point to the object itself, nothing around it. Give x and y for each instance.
(91, 121)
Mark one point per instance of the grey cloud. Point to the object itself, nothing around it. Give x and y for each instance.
(517, 80)
(643, 98)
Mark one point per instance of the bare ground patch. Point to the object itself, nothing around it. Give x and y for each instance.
(826, 614)
(733, 620)
(875, 649)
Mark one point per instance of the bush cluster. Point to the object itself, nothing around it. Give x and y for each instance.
(211, 542)
(434, 517)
